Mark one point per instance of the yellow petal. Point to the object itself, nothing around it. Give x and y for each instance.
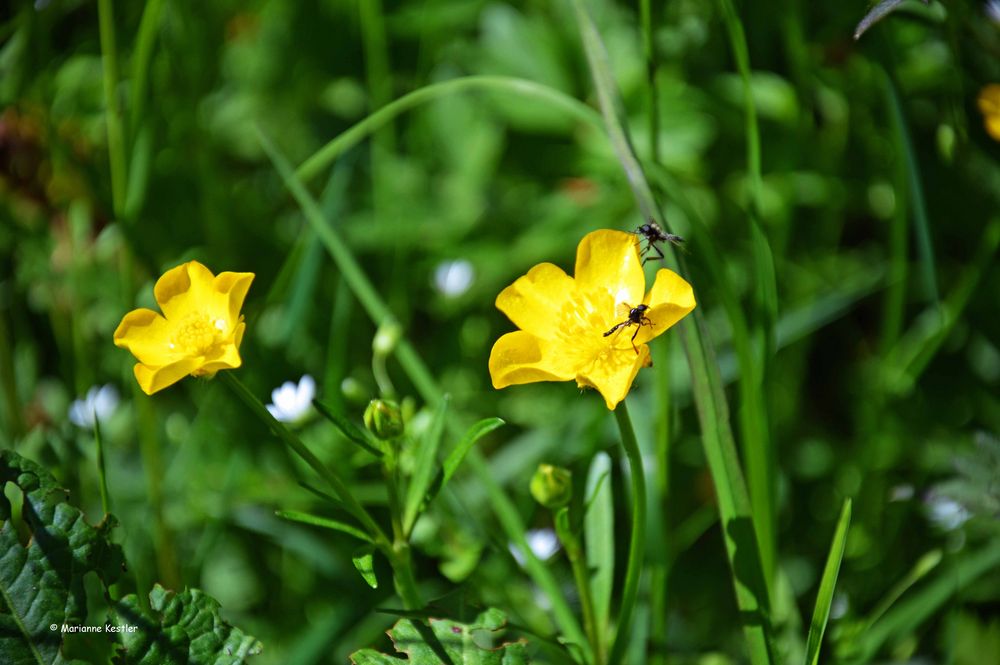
(235, 286)
(614, 374)
(225, 356)
(152, 379)
(989, 99)
(670, 300)
(520, 357)
(147, 335)
(192, 288)
(533, 301)
(992, 123)
(609, 260)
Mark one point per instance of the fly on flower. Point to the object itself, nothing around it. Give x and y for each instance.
(654, 234)
(198, 333)
(563, 319)
(636, 317)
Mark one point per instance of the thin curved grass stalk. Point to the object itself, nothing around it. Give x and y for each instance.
(713, 412)
(349, 138)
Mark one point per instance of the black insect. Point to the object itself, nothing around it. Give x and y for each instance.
(636, 317)
(654, 234)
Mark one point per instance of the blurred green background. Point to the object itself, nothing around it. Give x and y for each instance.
(879, 202)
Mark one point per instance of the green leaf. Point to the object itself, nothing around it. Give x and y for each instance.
(827, 585)
(41, 583)
(325, 522)
(364, 561)
(423, 473)
(351, 432)
(446, 641)
(180, 629)
(455, 457)
(598, 526)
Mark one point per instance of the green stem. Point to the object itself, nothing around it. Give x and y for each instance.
(646, 20)
(503, 84)
(101, 473)
(140, 64)
(292, 441)
(112, 115)
(637, 541)
(581, 575)
(406, 583)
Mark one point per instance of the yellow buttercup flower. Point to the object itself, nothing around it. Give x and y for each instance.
(564, 321)
(989, 106)
(200, 330)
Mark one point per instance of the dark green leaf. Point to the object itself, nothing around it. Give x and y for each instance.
(41, 583)
(450, 642)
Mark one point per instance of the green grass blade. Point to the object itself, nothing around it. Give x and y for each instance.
(351, 432)
(909, 615)
(921, 223)
(713, 412)
(598, 524)
(827, 585)
(754, 430)
(506, 85)
(423, 473)
(455, 457)
(326, 523)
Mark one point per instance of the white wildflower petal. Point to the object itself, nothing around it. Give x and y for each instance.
(78, 414)
(285, 399)
(453, 278)
(278, 414)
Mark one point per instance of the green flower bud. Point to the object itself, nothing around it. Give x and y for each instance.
(384, 419)
(386, 338)
(552, 486)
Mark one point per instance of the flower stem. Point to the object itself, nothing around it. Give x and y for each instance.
(397, 551)
(112, 115)
(293, 442)
(637, 542)
(577, 561)
(101, 474)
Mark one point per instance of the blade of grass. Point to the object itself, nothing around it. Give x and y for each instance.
(423, 472)
(455, 457)
(757, 449)
(140, 60)
(827, 585)
(907, 616)
(112, 107)
(713, 412)
(921, 223)
(325, 522)
(501, 84)
(598, 527)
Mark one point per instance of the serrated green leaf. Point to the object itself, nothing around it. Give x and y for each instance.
(827, 585)
(41, 583)
(423, 473)
(455, 457)
(364, 561)
(181, 629)
(446, 641)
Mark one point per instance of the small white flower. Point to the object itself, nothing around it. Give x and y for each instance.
(100, 403)
(543, 543)
(453, 278)
(291, 402)
(946, 513)
(992, 9)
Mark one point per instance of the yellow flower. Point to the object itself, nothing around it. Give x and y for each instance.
(563, 320)
(989, 106)
(200, 330)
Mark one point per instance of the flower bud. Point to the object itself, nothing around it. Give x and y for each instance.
(384, 419)
(386, 338)
(552, 486)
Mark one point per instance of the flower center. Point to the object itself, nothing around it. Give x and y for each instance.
(197, 334)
